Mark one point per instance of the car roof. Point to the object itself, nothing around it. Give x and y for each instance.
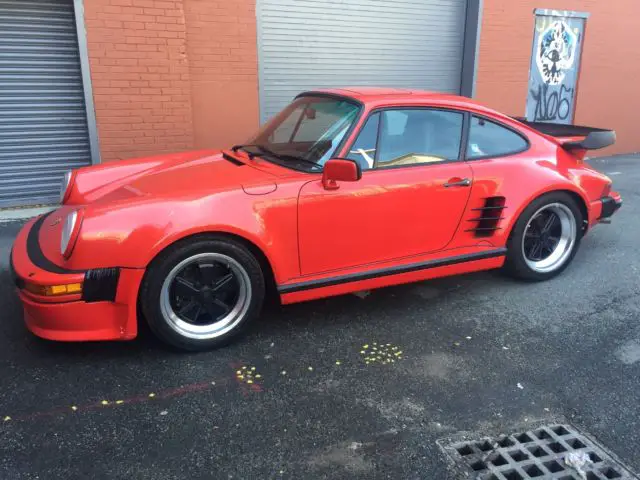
(379, 96)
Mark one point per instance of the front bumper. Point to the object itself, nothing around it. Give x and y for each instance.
(106, 309)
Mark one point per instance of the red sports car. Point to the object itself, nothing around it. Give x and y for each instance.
(344, 190)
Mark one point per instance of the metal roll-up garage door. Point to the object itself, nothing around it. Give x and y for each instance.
(306, 44)
(43, 120)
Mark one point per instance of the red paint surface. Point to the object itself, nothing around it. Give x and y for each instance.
(388, 214)
(134, 210)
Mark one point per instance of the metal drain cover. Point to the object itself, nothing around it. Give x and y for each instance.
(537, 454)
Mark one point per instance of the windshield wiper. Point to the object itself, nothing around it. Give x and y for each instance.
(235, 148)
(295, 158)
(281, 156)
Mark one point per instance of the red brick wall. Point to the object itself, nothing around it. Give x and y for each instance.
(171, 75)
(607, 92)
(140, 76)
(223, 64)
(181, 74)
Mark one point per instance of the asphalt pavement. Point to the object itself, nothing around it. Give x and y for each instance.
(481, 354)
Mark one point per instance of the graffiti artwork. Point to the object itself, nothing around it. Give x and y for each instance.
(551, 105)
(555, 65)
(556, 52)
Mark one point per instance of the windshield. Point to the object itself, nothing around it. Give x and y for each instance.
(306, 133)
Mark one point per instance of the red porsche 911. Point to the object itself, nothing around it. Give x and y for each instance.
(344, 190)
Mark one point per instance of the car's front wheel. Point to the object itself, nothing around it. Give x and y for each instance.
(545, 238)
(202, 293)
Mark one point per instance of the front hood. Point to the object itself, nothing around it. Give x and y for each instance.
(185, 178)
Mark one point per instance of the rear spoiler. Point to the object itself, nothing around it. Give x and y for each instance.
(574, 137)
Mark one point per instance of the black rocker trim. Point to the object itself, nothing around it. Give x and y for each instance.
(384, 272)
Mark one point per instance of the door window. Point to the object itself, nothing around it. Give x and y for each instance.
(416, 136)
(363, 149)
(408, 137)
(488, 139)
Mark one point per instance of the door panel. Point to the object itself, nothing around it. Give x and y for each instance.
(389, 213)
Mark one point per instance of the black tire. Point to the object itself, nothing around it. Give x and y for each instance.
(167, 261)
(516, 263)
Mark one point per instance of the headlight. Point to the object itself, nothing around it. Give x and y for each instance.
(65, 187)
(70, 231)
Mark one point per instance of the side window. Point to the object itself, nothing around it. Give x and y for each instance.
(488, 139)
(416, 136)
(363, 149)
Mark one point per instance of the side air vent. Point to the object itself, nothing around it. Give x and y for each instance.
(230, 159)
(486, 219)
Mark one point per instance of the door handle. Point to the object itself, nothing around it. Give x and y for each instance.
(454, 182)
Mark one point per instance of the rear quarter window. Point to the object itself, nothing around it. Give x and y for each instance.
(489, 139)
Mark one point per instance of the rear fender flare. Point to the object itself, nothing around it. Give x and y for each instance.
(580, 198)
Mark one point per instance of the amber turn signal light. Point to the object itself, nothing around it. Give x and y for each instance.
(53, 290)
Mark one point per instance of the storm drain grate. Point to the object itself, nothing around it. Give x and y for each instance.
(537, 454)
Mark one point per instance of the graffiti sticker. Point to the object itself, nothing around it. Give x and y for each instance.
(556, 52)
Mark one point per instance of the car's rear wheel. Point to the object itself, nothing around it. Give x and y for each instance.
(202, 293)
(545, 238)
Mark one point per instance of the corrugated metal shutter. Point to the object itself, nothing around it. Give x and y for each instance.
(306, 44)
(43, 121)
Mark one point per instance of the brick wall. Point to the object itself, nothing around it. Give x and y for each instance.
(223, 64)
(171, 75)
(140, 76)
(610, 63)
